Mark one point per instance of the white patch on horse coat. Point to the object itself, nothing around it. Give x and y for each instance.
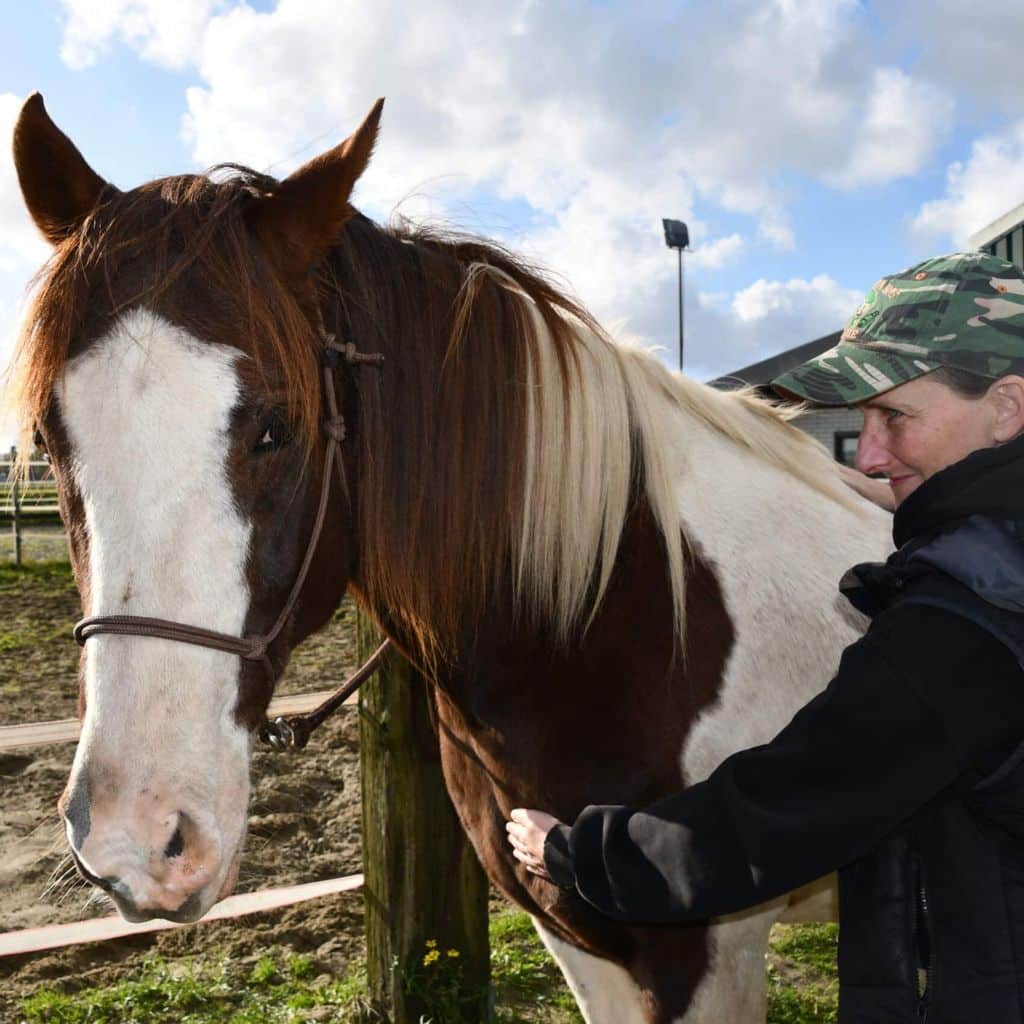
(778, 550)
(778, 545)
(604, 991)
(778, 561)
(757, 499)
(734, 990)
(147, 410)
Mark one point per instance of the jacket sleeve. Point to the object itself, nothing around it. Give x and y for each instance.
(910, 707)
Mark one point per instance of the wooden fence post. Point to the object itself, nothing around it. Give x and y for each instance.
(16, 502)
(423, 883)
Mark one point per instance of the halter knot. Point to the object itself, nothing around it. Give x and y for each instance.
(348, 351)
(257, 649)
(334, 427)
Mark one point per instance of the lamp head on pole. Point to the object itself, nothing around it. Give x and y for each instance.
(677, 235)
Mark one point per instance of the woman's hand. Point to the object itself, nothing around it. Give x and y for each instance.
(526, 832)
(871, 488)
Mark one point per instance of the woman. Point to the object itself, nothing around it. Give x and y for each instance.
(907, 772)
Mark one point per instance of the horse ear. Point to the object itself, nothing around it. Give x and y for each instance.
(59, 187)
(308, 208)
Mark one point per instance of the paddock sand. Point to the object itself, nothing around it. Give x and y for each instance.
(304, 816)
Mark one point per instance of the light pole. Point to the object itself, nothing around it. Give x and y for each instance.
(677, 236)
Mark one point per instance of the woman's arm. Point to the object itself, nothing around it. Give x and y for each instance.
(894, 728)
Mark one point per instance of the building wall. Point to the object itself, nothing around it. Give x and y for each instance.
(825, 424)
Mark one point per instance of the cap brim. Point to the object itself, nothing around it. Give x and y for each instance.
(850, 373)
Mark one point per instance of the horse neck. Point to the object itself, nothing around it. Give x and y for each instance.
(437, 467)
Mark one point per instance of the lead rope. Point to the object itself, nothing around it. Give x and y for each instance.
(293, 730)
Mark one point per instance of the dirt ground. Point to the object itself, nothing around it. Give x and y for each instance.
(304, 815)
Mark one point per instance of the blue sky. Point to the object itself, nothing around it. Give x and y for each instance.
(811, 145)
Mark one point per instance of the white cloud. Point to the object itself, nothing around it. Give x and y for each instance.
(713, 300)
(167, 34)
(902, 121)
(978, 190)
(717, 254)
(719, 340)
(601, 120)
(961, 47)
(821, 298)
(482, 98)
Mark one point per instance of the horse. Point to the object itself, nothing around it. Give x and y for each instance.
(613, 576)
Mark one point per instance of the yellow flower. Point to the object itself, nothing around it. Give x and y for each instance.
(431, 957)
(453, 952)
(431, 943)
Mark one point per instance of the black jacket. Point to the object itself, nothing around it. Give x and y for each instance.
(906, 773)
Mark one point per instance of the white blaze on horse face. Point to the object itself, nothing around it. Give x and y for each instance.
(161, 771)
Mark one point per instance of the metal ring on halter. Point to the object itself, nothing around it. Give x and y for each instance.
(278, 733)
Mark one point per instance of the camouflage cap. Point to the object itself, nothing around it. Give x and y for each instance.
(964, 310)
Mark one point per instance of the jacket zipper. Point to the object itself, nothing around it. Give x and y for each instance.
(925, 977)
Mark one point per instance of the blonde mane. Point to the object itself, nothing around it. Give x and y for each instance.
(584, 448)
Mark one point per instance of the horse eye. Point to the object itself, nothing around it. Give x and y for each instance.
(39, 441)
(274, 434)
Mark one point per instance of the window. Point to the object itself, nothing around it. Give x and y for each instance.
(845, 446)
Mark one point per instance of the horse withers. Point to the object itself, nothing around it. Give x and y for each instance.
(613, 576)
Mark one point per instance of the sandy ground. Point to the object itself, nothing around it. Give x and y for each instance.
(304, 815)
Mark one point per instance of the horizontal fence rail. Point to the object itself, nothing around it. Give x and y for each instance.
(102, 929)
(37, 940)
(66, 730)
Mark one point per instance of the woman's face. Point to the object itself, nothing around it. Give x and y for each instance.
(918, 428)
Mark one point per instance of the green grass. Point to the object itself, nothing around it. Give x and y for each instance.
(524, 976)
(191, 993)
(803, 987)
(43, 579)
(282, 989)
(56, 573)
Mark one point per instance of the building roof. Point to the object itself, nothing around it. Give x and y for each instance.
(763, 373)
(999, 227)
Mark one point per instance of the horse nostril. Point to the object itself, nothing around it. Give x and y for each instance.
(176, 846)
(106, 884)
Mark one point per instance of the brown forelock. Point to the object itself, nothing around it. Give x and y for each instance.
(443, 426)
(180, 247)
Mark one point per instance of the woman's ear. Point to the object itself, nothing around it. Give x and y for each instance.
(1007, 398)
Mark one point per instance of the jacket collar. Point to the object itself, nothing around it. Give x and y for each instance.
(987, 482)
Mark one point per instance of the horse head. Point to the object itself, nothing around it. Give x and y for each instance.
(171, 365)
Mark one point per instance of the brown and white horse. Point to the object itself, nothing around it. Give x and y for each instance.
(614, 575)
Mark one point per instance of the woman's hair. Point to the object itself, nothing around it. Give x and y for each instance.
(965, 383)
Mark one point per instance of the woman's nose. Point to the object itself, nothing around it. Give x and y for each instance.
(872, 456)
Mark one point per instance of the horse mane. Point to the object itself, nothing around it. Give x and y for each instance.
(507, 437)
(527, 435)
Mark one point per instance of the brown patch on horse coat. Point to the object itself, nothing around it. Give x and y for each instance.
(523, 725)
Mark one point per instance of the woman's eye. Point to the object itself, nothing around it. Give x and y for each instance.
(275, 434)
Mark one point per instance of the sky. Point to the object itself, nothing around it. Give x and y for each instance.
(810, 145)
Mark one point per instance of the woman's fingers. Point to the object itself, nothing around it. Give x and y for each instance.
(526, 833)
